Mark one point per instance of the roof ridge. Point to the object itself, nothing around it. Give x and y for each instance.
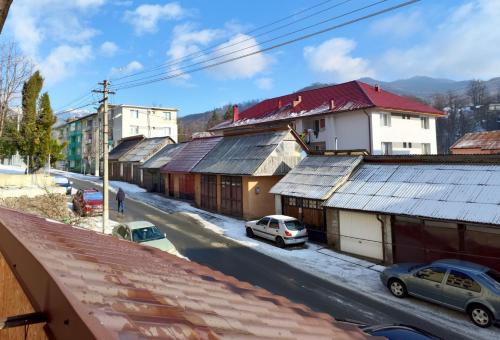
(358, 84)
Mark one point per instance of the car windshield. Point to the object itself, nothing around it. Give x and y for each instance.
(92, 196)
(294, 225)
(147, 234)
(494, 275)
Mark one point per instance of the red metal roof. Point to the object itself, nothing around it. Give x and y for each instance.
(191, 154)
(488, 140)
(353, 95)
(92, 285)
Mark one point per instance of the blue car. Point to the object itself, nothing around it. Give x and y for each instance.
(460, 285)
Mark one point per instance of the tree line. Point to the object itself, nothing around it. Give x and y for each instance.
(28, 131)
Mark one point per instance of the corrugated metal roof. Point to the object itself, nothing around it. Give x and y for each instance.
(487, 140)
(453, 192)
(145, 149)
(126, 144)
(192, 153)
(246, 154)
(124, 290)
(163, 156)
(316, 177)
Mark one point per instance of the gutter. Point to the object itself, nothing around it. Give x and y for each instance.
(369, 131)
(382, 225)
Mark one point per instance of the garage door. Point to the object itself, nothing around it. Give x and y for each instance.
(209, 192)
(231, 196)
(361, 234)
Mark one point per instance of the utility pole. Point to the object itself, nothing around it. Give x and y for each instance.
(105, 191)
(97, 156)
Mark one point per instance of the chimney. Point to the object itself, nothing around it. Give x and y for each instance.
(377, 88)
(297, 101)
(279, 104)
(236, 113)
(332, 104)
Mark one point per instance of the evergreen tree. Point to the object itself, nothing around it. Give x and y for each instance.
(213, 120)
(228, 115)
(8, 142)
(45, 120)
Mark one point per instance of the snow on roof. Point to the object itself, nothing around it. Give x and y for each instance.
(469, 193)
(316, 177)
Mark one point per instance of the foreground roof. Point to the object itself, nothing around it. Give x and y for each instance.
(163, 156)
(261, 154)
(125, 145)
(350, 96)
(487, 140)
(146, 148)
(461, 192)
(97, 286)
(316, 177)
(191, 154)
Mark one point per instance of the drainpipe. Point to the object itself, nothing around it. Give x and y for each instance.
(382, 225)
(369, 130)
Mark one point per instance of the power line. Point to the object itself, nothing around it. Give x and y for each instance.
(349, 22)
(199, 53)
(262, 43)
(76, 108)
(75, 101)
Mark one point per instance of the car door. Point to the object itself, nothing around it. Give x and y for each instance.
(427, 283)
(260, 227)
(273, 229)
(460, 288)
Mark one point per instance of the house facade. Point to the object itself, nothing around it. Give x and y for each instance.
(118, 170)
(353, 115)
(487, 142)
(131, 120)
(153, 180)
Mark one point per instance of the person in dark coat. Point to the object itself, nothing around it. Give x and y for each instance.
(120, 197)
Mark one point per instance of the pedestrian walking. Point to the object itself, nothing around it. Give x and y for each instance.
(120, 197)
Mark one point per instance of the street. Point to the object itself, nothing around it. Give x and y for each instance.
(217, 252)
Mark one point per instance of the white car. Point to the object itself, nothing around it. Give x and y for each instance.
(281, 229)
(145, 232)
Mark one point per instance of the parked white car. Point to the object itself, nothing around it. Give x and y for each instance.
(145, 232)
(281, 229)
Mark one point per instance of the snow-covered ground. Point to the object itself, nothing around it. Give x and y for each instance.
(11, 169)
(352, 273)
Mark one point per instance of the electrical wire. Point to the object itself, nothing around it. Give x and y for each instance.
(76, 108)
(215, 48)
(303, 37)
(262, 43)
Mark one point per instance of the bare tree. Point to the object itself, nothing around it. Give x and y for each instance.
(15, 69)
(477, 92)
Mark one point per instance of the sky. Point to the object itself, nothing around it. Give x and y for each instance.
(77, 43)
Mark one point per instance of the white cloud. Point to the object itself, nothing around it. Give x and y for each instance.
(133, 66)
(399, 25)
(333, 61)
(108, 48)
(265, 83)
(145, 18)
(464, 45)
(62, 60)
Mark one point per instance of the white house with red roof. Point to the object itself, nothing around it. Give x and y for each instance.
(352, 115)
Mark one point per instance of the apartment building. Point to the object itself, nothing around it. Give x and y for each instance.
(352, 115)
(131, 120)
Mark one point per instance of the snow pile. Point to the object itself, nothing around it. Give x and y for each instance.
(94, 223)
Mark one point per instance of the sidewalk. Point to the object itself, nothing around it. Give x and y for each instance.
(359, 275)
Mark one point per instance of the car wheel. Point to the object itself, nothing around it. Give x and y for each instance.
(280, 242)
(397, 288)
(480, 316)
(250, 232)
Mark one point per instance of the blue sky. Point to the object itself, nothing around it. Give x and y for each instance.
(80, 42)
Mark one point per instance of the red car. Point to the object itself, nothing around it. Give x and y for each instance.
(88, 202)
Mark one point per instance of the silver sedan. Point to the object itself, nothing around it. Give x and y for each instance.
(460, 285)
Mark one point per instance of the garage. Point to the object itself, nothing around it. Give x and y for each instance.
(310, 212)
(231, 196)
(209, 192)
(361, 234)
(186, 186)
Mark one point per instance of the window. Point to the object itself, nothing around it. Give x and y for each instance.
(406, 145)
(461, 280)
(134, 129)
(167, 115)
(386, 148)
(274, 224)
(316, 125)
(385, 119)
(426, 148)
(322, 123)
(433, 274)
(263, 221)
(409, 145)
(406, 117)
(134, 114)
(424, 122)
(292, 201)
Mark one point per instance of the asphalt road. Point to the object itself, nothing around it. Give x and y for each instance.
(222, 254)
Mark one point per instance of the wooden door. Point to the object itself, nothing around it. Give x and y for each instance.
(170, 185)
(231, 196)
(209, 192)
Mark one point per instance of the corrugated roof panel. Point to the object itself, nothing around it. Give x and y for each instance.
(494, 178)
(370, 188)
(489, 194)
(191, 154)
(435, 192)
(475, 177)
(383, 173)
(145, 149)
(364, 173)
(478, 212)
(163, 156)
(125, 145)
(352, 187)
(358, 202)
(388, 189)
(465, 193)
(340, 200)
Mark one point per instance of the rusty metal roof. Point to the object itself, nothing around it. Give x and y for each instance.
(125, 145)
(191, 154)
(468, 193)
(316, 177)
(145, 149)
(163, 156)
(96, 286)
(487, 140)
